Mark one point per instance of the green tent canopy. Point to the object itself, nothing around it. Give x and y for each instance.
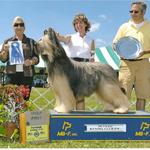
(108, 56)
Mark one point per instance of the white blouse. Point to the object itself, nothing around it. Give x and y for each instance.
(79, 47)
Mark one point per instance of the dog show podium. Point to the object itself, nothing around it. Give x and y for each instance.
(45, 126)
(99, 126)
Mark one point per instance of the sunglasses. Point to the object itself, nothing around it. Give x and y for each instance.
(133, 11)
(19, 24)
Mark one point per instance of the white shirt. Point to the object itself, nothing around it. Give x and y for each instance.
(19, 68)
(138, 25)
(79, 47)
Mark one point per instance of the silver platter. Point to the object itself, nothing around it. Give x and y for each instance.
(128, 48)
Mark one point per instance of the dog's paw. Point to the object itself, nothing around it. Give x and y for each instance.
(121, 110)
(62, 109)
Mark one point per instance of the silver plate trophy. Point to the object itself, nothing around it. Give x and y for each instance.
(128, 47)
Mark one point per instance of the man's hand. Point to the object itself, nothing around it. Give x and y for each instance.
(141, 54)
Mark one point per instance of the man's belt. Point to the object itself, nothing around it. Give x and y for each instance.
(133, 59)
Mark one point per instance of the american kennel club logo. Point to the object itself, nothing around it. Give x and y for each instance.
(105, 127)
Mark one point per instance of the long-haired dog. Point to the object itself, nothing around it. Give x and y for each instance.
(72, 81)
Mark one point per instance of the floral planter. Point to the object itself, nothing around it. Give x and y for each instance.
(10, 127)
(12, 103)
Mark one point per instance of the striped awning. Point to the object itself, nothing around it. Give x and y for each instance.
(108, 56)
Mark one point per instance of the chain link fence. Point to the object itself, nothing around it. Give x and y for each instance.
(43, 99)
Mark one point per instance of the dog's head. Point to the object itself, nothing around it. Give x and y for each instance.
(49, 46)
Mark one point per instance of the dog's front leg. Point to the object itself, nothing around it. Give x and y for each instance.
(65, 97)
(65, 103)
(57, 101)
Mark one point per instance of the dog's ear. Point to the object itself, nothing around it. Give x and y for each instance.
(53, 38)
(45, 32)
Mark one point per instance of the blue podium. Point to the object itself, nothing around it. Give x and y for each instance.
(99, 126)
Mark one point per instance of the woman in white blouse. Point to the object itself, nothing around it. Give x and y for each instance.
(81, 47)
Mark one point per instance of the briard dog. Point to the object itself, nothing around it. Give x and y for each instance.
(72, 81)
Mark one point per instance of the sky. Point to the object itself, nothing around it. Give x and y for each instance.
(105, 17)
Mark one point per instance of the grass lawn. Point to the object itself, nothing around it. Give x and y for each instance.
(75, 144)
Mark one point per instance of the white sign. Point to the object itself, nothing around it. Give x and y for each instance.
(16, 53)
(105, 127)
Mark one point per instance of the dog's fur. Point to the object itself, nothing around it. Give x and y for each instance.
(72, 80)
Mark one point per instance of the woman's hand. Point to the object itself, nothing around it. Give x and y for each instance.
(6, 47)
(4, 52)
(61, 38)
(28, 62)
(91, 59)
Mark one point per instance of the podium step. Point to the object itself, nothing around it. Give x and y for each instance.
(83, 125)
